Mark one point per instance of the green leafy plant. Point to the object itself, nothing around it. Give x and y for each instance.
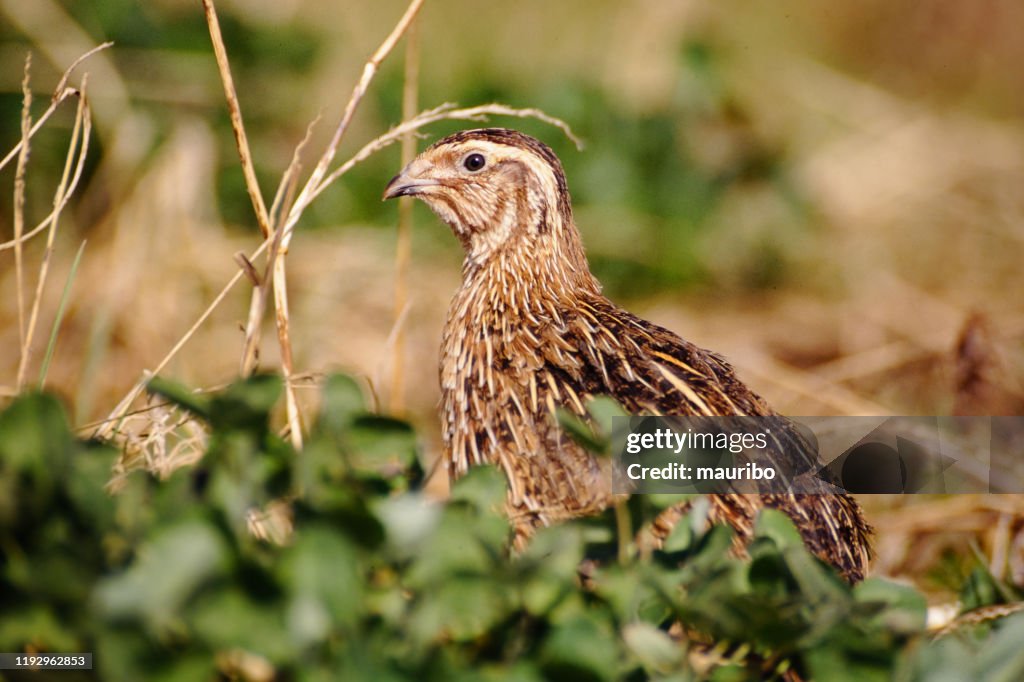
(166, 581)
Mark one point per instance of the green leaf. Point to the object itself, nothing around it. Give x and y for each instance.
(831, 663)
(580, 650)
(550, 567)
(606, 411)
(180, 395)
(464, 608)
(39, 625)
(823, 589)
(322, 572)
(230, 619)
(947, 659)
(246, 404)
(409, 520)
(1002, 659)
(484, 487)
(342, 402)
(666, 500)
(656, 650)
(381, 444)
(981, 589)
(519, 671)
(182, 669)
(680, 538)
(35, 436)
(91, 468)
(776, 526)
(463, 544)
(902, 609)
(634, 592)
(171, 567)
(711, 548)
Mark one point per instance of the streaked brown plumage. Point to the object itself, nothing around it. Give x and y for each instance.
(529, 331)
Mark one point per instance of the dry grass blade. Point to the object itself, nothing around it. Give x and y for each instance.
(285, 194)
(19, 210)
(48, 220)
(248, 268)
(282, 320)
(443, 112)
(258, 304)
(369, 71)
(250, 354)
(403, 240)
(235, 111)
(60, 93)
(74, 164)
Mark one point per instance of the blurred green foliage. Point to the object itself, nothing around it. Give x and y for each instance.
(163, 581)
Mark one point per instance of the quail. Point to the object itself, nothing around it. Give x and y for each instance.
(529, 332)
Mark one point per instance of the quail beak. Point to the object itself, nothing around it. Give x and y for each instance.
(403, 185)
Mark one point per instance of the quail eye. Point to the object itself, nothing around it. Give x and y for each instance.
(474, 162)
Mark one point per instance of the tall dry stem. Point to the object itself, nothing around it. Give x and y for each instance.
(235, 112)
(19, 213)
(403, 239)
(74, 164)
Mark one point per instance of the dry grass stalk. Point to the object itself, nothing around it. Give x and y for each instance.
(60, 93)
(248, 268)
(73, 169)
(259, 297)
(250, 352)
(275, 523)
(235, 111)
(166, 440)
(258, 305)
(369, 71)
(403, 239)
(19, 213)
(282, 320)
(74, 164)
